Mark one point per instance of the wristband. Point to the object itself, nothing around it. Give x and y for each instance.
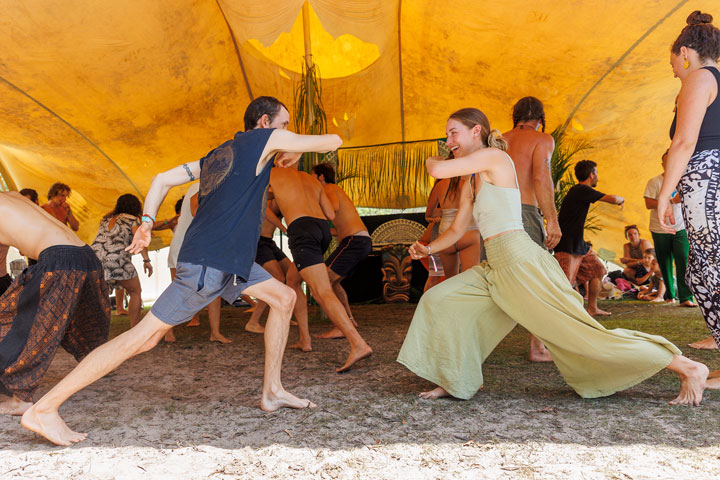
(428, 247)
(148, 218)
(146, 261)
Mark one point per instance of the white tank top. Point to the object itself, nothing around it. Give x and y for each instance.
(498, 209)
(183, 223)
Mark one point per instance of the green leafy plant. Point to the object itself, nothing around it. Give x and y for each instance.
(563, 158)
(309, 113)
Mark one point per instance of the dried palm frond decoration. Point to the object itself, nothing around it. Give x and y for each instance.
(309, 113)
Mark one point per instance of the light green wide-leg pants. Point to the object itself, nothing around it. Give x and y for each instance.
(458, 324)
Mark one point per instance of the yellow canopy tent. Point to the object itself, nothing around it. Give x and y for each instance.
(103, 95)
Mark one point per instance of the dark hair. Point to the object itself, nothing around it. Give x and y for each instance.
(269, 106)
(30, 193)
(650, 251)
(631, 227)
(178, 205)
(471, 117)
(56, 188)
(528, 108)
(326, 170)
(583, 169)
(700, 35)
(127, 203)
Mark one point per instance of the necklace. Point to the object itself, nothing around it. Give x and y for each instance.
(524, 125)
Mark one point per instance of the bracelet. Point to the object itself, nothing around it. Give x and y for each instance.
(148, 218)
(165, 222)
(428, 247)
(146, 261)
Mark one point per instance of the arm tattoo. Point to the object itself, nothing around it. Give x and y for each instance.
(187, 169)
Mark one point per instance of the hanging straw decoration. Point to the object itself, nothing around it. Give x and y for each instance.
(310, 118)
(387, 176)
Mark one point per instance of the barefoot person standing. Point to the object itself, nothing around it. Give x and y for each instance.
(216, 259)
(531, 152)
(694, 161)
(62, 300)
(306, 208)
(354, 243)
(458, 323)
(574, 254)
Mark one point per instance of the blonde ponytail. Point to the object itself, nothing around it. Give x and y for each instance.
(496, 140)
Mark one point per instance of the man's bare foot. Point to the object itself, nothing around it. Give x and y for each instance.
(305, 347)
(437, 392)
(705, 344)
(596, 312)
(670, 301)
(283, 399)
(254, 327)
(14, 406)
(692, 386)
(688, 304)
(293, 323)
(657, 300)
(332, 333)
(218, 337)
(170, 336)
(50, 426)
(194, 322)
(355, 356)
(122, 312)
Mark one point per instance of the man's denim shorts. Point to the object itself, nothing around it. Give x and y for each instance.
(195, 286)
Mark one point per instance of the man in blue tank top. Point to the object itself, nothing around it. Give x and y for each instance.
(216, 259)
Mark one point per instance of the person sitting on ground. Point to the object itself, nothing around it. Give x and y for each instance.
(655, 290)
(31, 194)
(633, 254)
(575, 256)
(114, 235)
(58, 207)
(62, 300)
(354, 243)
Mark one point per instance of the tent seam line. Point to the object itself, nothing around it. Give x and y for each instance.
(237, 51)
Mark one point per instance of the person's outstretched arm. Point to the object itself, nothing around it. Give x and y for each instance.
(478, 161)
(291, 145)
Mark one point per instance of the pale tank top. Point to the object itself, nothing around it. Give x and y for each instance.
(184, 221)
(498, 209)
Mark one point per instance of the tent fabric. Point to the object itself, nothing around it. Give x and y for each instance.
(103, 95)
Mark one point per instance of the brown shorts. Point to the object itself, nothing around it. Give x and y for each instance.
(581, 268)
(63, 300)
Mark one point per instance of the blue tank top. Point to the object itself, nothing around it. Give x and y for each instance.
(709, 135)
(498, 209)
(225, 231)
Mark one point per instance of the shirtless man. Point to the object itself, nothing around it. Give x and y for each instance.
(354, 243)
(272, 259)
(58, 207)
(61, 300)
(305, 205)
(216, 259)
(531, 151)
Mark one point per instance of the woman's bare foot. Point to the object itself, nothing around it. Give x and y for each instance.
(14, 406)
(283, 399)
(305, 347)
(437, 392)
(50, 426)
(538, 352)
(670, 301)
(170, 336)
(254, 327)
(218, 337)
(693, 380)
(194, 322)
(332, 333)
(657, 300)
(596, 312)
(705, 344)
(688, 304)
(355, 356)
(122, 312)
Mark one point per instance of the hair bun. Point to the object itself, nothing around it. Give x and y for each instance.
(699, 18)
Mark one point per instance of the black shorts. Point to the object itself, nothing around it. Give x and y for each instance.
(267, 250)
(308, 238)
(5, 282)
(351, 251)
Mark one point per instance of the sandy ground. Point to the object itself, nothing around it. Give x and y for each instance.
(190, 411)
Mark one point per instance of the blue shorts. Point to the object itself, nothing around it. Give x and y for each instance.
(195, 286)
